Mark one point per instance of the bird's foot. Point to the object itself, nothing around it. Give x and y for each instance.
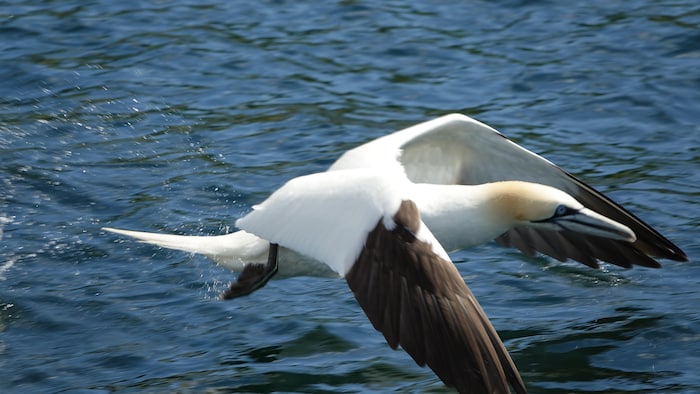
(253, 276)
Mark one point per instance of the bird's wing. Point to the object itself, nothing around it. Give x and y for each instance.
(359, 223)
(327, 215)
(418, 300)
(456, 149)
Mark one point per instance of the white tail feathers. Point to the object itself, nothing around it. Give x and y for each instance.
(232, 251)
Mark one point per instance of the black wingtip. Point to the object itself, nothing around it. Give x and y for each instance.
(679, 255)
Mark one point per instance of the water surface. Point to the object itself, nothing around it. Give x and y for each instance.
(178, 116)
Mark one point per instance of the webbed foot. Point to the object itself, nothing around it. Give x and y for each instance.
(253, 276)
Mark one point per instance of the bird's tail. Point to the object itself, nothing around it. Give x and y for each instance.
(233, 251)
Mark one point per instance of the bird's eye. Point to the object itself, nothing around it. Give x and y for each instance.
(563, 210)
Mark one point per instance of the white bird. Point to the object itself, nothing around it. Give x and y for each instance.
(469, 184)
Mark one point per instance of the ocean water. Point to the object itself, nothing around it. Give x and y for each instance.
(178, 116)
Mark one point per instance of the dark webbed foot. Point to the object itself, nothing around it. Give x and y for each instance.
(253, 276)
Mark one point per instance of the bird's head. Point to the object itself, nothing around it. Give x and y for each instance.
(540, 206)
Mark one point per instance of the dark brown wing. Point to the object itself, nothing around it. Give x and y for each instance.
(419, 300)
(587, 249)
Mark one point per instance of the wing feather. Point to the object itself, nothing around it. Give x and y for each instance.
(334, 213)
(425, 307)
(456, 149)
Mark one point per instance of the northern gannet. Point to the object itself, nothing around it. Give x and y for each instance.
(385, 213)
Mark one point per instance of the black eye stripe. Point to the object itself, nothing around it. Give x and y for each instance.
(560, 211)
(563, 210)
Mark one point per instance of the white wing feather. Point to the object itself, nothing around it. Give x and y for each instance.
(451, 150)
(328, 215)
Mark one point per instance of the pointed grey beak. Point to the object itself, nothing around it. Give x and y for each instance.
(586, 221)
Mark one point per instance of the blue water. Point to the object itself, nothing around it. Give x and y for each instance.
(178, 116)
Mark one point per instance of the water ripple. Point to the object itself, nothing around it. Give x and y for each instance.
(179, 116)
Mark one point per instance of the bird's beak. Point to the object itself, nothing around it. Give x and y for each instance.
(589, 222)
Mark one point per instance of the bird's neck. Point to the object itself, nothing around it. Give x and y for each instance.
(461, 216)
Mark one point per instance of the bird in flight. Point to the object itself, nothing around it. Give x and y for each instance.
(386, 213)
